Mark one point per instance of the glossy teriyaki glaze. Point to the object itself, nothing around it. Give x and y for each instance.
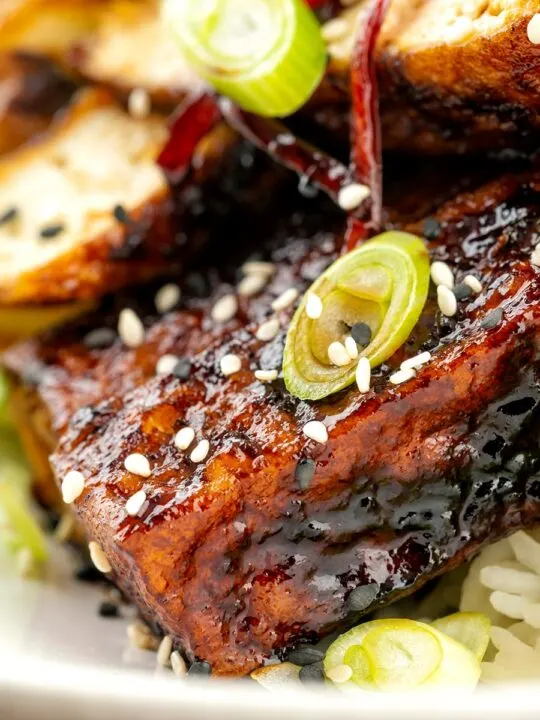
(237, 559)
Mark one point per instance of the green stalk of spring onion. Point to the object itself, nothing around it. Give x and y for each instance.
(266, 55)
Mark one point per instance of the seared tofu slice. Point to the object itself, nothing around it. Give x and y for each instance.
(131, 49)
(32, 90)
(455, 74)
(47, 27)
(60, 238)
(257, 542)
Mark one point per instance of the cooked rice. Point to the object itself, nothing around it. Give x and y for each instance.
(504, 583)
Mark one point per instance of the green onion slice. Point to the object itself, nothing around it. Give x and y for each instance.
(468, 628)
(18, 528)
(267, 55)
(398, 655)
(384, 284)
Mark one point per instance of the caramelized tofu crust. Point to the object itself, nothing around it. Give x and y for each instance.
(60, 243)
(32, 90)
(47, 27)
(131, 48)
(454, 75)
(239, 555)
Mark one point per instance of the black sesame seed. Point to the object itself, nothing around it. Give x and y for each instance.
(51, 231)
(120, 214)
(182, 369)
(304, 473)
(99, 338)
(108, 610)
(200, 668)
(362, 597)
(432, 228)
(305, 656)
(361, 334)
(9, 215)
(312, 673)
(462, 291)
(88, 574)
(492, 320)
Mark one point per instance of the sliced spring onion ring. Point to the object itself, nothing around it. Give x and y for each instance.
(398, 655)
(384, 284)
(18, 528)
(468, 628)
(266, 55)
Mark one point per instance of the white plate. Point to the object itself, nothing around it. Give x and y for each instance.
(60, 661)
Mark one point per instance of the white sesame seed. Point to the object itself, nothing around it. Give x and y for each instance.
(316, 430)
(447, 301)
(139, 103)
(230, 364)
(252, 284)
(363, 375)
(138, 465)
(72, 486)
(130, 328)
(338, 355)
(178, 664)
(314, 306)
(285, 299)
(141, 637)
(167, 298)
(441, 274)
(339, 674)
(351, 196)
(164, 652)
(268, 330)
(416, 361)
(98, 557)
(473, 283)
(402, 376)
(200, 452)
(266, 375)
(351, 347)
(136, 503)
(257, 267)
(166, 364)
(533, 29)
(225, 308)
(184, 438)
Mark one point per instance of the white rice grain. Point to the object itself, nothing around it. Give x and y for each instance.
(526, 550)
(510, 580)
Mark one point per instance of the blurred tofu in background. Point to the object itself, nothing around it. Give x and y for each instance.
(455, 75)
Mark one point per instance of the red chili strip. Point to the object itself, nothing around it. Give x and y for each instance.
(194, 119)
(366, 125)
(274, 138)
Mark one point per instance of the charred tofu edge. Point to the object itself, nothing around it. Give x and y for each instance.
(54, 249)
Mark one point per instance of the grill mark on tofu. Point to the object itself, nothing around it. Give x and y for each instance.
(293, 553)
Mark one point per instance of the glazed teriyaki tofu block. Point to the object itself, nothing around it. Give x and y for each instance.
(268, 520)
(133, 51)
(454, 74)
(72, 201)
(47, 27)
